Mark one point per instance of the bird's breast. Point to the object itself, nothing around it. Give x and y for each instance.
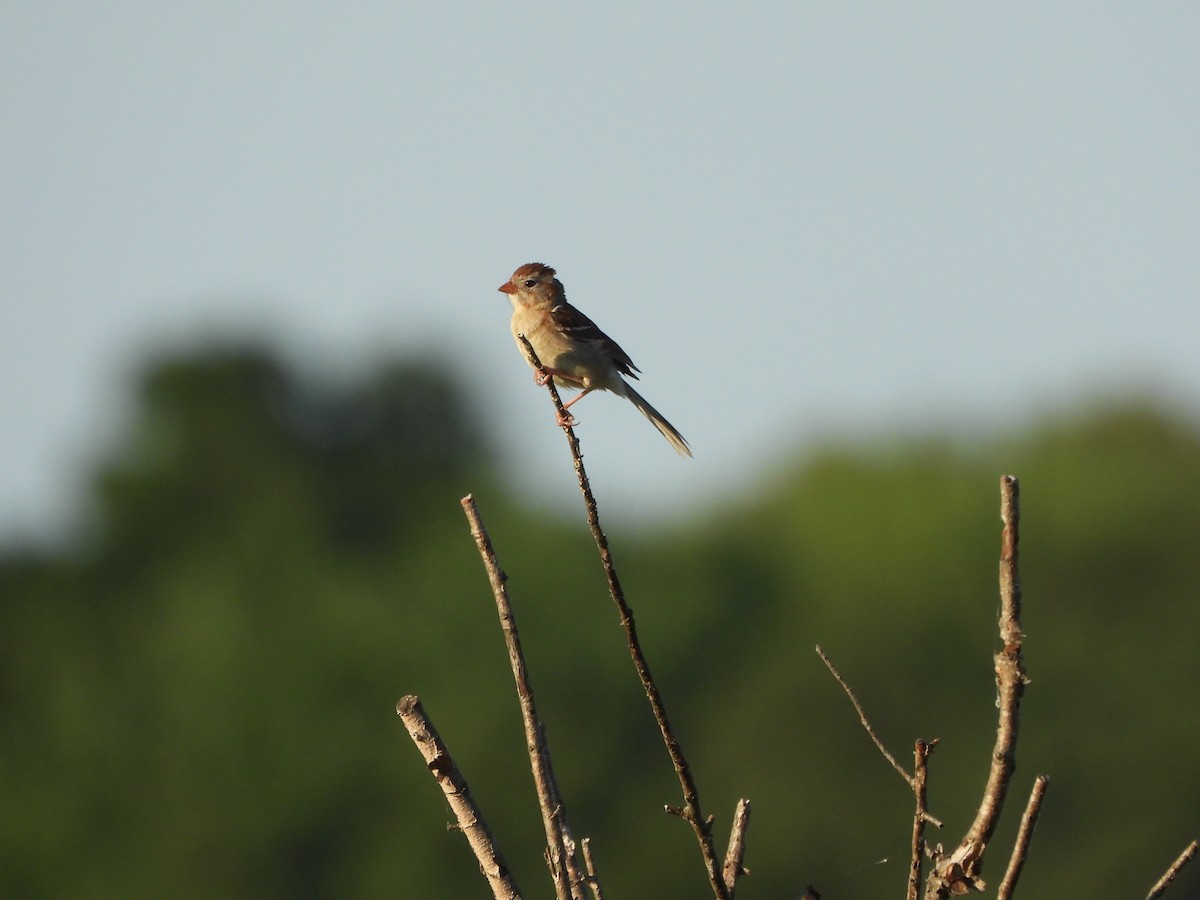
(577, 364)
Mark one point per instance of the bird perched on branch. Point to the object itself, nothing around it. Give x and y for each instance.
(575, 353)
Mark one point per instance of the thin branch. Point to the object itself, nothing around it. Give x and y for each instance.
(691, 809)
(1010, 673)
(589, 868)
(1168, 876)
(458, 795)
(920, 776)
(862, 717)
(915, 782)
(564, 869)
(959, 871)
(1028, 821)
(736, 852)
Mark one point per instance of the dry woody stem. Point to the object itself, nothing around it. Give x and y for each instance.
(1168, 876)
(458, 795)
(691, 799)
(589, 867)
(568, 878)
(1024, 835)
(921, 752)
(960, 870)
(862, 717)
(915, 782)
(733, 869)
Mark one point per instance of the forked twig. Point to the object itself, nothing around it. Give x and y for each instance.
(458, 795)
(691, 799)
(1028, 821)
(568, 879)
(1168, 876)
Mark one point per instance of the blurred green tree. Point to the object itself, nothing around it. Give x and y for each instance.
(198, 690)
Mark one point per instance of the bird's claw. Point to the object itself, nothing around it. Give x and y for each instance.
(566, 420)
(540, 378)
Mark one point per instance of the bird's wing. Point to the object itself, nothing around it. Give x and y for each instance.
(581, 328)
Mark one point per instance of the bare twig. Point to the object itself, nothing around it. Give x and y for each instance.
(862, 717)
(959, 871)
(589, 868)
(920, 775)
(916, 782)
(564, 869)
(691, 808)
(458, 795)
(1168, 876)
(736, 852)
(1028, 821)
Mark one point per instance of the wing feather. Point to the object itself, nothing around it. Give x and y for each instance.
(581, 328)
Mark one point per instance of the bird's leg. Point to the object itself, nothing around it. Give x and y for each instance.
(575, 400)
(565, 419)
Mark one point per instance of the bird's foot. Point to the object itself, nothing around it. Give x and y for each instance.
(566, 420)
(540, 378)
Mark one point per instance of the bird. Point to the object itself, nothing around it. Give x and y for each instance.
(572, 349)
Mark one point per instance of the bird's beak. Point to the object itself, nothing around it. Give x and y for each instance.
(508, 287)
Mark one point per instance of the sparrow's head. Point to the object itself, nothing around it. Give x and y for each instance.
(534, 279)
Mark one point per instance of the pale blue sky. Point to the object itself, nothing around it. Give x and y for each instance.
(800, 220)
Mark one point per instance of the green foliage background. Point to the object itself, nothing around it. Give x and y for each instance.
(199, 688)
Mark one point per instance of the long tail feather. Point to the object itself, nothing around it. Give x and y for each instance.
(656, 418)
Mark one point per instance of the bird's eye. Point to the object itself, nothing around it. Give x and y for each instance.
(529, 282)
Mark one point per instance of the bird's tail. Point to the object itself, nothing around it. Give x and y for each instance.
(656, 418)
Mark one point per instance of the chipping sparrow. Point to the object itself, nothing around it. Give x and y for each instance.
(576, 353)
